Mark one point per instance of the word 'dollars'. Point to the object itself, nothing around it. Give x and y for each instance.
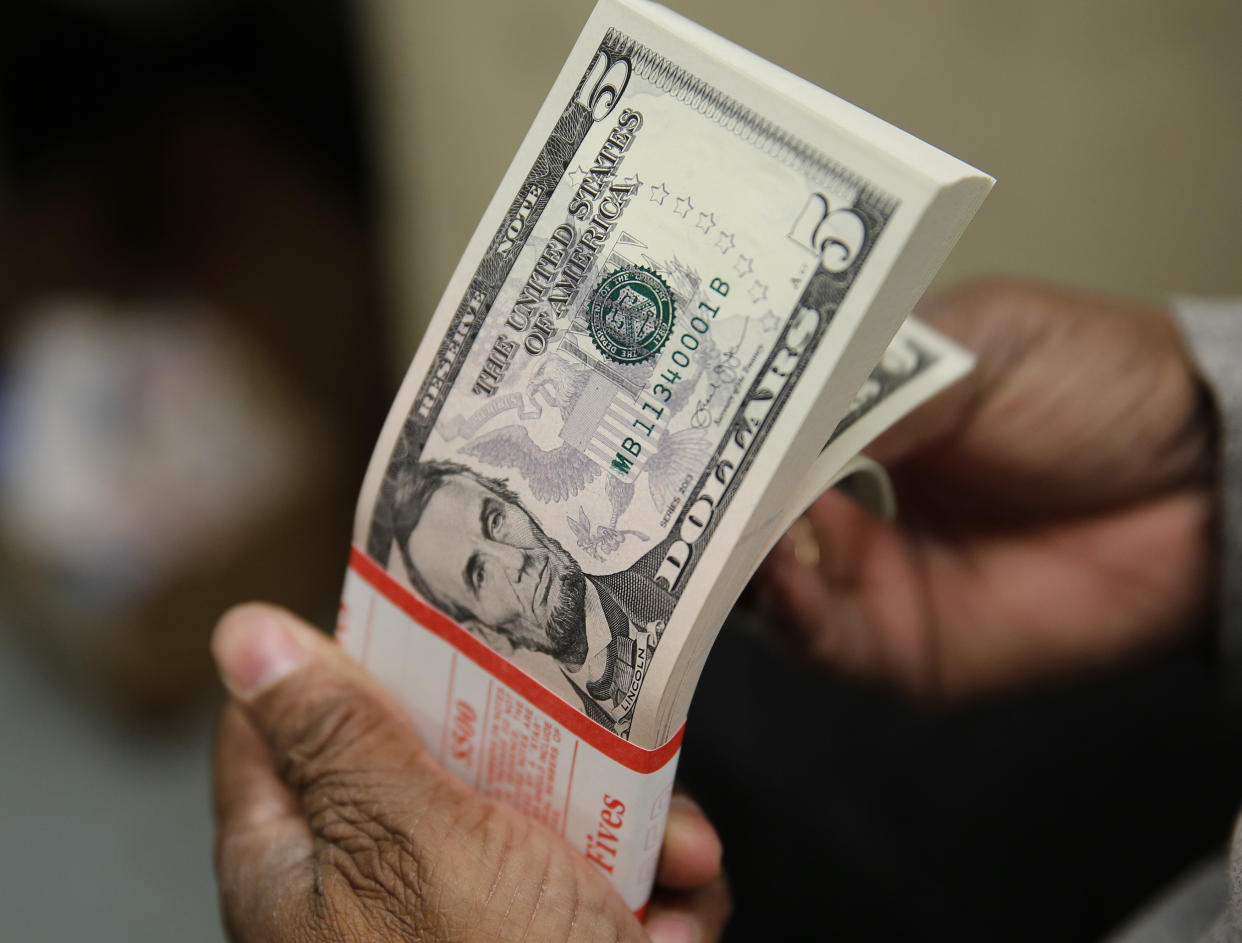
(665, 338)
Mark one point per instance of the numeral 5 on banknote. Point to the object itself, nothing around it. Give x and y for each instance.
(633, 379)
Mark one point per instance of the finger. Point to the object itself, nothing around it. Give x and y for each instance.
(697, 916)
(827, 540)
(859, 609)
(947, 411)
(823, 621)
(341, 746)
(840, 529)
(691, 854)
(263, 845)
(394, 833)
(1000, 322)
(933, 422)
(797, 589)
(874, 593)
(247, 793)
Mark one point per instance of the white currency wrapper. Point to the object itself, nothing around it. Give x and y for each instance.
(498, 729)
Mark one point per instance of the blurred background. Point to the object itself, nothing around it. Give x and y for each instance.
(223, 227)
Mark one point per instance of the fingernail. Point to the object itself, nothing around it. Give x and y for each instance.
(254, 650)
(685, 803)
(690, 832)
(683, 815)
(805, 546)
(673, 928)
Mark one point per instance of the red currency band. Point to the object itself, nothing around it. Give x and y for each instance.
(433, 620)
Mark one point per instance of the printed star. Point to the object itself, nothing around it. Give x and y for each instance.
(683, 200)
(574, 175)
(725, 242)
(634, 181)
(706, 221)
(658, 194)
(769, 322)
(758, 292)
(744, 266)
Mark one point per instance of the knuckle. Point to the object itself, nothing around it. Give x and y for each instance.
(476, 871)
(366, 866)
(496, 833)
(437, 864)
(365, 855)
(399, 866)
(318, 740)
(533, 887)
(335, 751)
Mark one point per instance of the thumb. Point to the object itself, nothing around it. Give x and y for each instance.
(336, 740)
(394, 837)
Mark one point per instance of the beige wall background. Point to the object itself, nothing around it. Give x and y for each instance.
(1113, 127)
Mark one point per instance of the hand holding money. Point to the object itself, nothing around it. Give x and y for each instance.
(1074, 464)
(335, 823)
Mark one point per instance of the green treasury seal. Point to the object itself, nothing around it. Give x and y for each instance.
(630, 314)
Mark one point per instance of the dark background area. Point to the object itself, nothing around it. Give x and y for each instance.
(164, 165)
(79, 74)
(174, 159)
(1047, 815)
